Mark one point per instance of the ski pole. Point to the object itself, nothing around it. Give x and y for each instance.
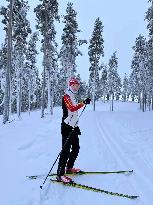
(62, 149)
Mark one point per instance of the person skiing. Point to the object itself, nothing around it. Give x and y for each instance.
(70, 131)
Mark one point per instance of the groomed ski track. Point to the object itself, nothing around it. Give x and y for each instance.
(139, 180)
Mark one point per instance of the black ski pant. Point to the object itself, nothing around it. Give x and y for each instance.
(70, 150)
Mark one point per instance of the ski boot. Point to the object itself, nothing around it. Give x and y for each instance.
(73, 171)
(64, 179)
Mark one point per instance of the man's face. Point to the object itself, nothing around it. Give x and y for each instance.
(75, 87)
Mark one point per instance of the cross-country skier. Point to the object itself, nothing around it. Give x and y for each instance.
(69, 127)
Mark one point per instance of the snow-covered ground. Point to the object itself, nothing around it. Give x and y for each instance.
(119, 140)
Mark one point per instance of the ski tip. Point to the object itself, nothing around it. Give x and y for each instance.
(32, 177)
(131, 171)
(134, 197)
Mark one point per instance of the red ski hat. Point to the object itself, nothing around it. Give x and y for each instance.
(73, 81)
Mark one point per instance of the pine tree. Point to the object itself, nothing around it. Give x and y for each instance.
(70, 43)
(38, 92)
(149, 18)
(21, 29)
(139, 70)
(60, 86)
(82, 93)
(47, 13)
(7, 21)
(96, 51)
(125, 91)
(149, 73)
(113, 79)
(30, 71)
(1, 97)
(103, 82)
(3, 66)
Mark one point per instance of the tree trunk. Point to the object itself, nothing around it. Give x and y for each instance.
(104, 97)
(19, 97)
(10, 104)
(124, 98)
(29, 99)
(44, 72)
(93, 93)
(149, 101)
(112, 102)
(8, 70)
(107, 97)
(145, 102)
(49, 94)
(142, 100)
(52, 98)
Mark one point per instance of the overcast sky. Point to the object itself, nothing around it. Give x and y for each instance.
(123, 21)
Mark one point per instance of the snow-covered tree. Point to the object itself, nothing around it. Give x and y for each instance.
(103, 82)
(60, 86)
(125, 88)
(38, 92)
(7, 21)
(83, 91)
(47, 13)
(70, 42)
(113, 79)
(149, 18)
(21, 29)
(30, 72)
(1, 98)
(139, 73)
(149, 73)
(3, 65)
(96, 51)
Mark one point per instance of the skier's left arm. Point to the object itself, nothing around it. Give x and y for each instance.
(70, 105)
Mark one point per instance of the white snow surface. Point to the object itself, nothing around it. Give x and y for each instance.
(119, 140)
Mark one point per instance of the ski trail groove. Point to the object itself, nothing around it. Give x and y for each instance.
(139, 177)
(114, 153)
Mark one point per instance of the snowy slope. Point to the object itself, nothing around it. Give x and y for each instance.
(121, 140)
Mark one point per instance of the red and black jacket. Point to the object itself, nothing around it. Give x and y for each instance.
(67, 104)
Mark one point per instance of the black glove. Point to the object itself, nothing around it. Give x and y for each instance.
(87, 101)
